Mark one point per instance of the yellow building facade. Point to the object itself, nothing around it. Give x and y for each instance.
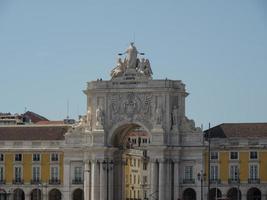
(237, 161)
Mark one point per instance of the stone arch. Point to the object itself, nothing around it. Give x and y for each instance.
(213, 192)
(77, 194)
(121, 129)
(36, 194)
(54, 194)
(189, 194)
(254, 194)
(233, 193)
(18, 194)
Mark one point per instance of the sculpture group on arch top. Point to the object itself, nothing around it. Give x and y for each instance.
(132, 63)
(133, 106)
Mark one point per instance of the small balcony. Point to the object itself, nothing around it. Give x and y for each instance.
(18, 181)
(35, 181)
(77, 181)
(189, 181)
(254, 181)
(54, 181)
(2, 181)
(233, 181)
(215, 181)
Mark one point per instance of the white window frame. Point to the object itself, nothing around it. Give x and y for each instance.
(36, 160)
(253, 158)
(258, 169)
(233, 158)
(191, 173)
(18, 160)
(14, 172)
(237, 172)
(39, 178)
(216, 153)
(218, 172)
(51, 156)
(58, 172)
(74, 173)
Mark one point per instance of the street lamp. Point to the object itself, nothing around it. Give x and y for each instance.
(201, 177)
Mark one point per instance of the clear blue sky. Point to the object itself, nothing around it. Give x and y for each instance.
(50, 49)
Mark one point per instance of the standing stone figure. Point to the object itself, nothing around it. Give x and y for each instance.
(158, 115)
(89, 116)
(99, 117)
(131, 56)
(175, 116)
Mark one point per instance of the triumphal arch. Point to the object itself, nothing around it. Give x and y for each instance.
(129, 102)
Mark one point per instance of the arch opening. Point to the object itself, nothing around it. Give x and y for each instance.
(254, 194)
(189, 194)
(234, 194)
(213, 192)
(36, 194)
(78, 194)
(18, 194)
(54, 194)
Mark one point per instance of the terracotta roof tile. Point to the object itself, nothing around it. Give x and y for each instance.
(33, 132)
(227, 130)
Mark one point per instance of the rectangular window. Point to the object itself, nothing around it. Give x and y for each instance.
(188, 172)
(36, 173)
(1, 157)
(144, 179)
(144, 166)
(54, 157)
(1, 173)
(78, 173)
(54, 173)
(234, 172)
(36, 157)
(253, 155)
(253, 171)
(18, 173)
(234, 155)
(18, 157)
(214, 172)
(214, 155)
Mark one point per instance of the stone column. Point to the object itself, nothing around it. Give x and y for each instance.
(95, 193)
(154, 180)
(176, 180)
(110, 181)
(86, 177)
(67, 179)
(103, 181)
(162, 176)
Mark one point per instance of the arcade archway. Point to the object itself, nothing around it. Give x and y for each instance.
(18, 194)
(234, 194)
(254, 194)
(36, 194)
(54, 194)
(77, 194)
(189, 194)
(215, 192)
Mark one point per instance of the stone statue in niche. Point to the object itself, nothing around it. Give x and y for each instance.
(158, 115)
(89, 116)
(99, 116)
(175, 116)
